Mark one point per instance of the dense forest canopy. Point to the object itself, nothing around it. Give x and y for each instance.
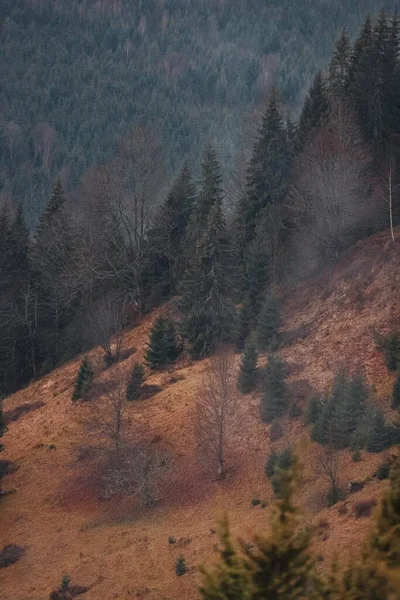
(76, 76)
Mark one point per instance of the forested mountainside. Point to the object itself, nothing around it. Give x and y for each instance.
(127, 240)
(77, 76)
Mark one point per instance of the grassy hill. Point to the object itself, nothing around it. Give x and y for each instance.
(123, 551)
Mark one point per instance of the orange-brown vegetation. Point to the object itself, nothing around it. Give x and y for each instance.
(121, 551)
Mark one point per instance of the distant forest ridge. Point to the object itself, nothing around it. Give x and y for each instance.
(78, 75)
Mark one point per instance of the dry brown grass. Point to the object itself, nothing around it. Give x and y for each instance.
(121, 550)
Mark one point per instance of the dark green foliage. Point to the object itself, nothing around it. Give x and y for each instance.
(380, 435)
(315, 111)
(84, 380)
(269, 322)
(206, 289)
(396, 393)
(277, 462)
(259, 217)
(3, 425)
(334, 495)
(342, 411)
(392, 351)
(339, 68)
(383, 470)
(247, 380)
(135, 382)
(313, 411)
(163, 347)
(180, 566)
(243, 325)
(274, 401)
(356, 456)
(295, 410)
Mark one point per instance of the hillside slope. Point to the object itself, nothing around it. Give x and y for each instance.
(122, 551)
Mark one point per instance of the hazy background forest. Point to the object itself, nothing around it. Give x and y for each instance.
(77, 76)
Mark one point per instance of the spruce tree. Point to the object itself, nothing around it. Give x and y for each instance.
(274, 400)
(392, 351)
(230, 578)
(269, 322)
(339, 68)
(315, 111)
(385, 535)
(247, 380)
(379, 438)
(313, 411)
(3, 424)
(267, 179)
(163, 347)
(206, 287)
(243, 325)
(84, 380)
(180, 566)
(396, 393)
(135, 382)
(281, 565)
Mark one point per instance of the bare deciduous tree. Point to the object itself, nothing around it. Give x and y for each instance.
(330, 201)
(138, 472)
(215, 411)
(107, 414)
(327, 466)
(106, 321)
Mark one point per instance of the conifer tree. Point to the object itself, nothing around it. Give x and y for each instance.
(210, 192)
(379, 438)
(385, 535)
(396, 393)
(243, 325)
(248, 368)
(84, 380)
(392, 351)
(135, 382)
(268, 170)
(3, 425)
(269, 322)
(279, 565)
(206, 287)
(339, 68)
(163, 347)
(274, 401)
(230, 578)
(180, 566)
(315, 111)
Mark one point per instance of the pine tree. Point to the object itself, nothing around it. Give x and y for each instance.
(248, 368)
(84, 380)
(313, 411)
(210, 192)
(385, 535)
(392, 351)
(180, 567)
(206, 287)
(339, 68)
(163, 347)
(396, 393)
(269, 322)
(274, 401)
(281, 565)
(230, 578)
(379, 438)
(168, 240)
(315, 111)
(267, 179)
(243, 325)
(3, 424)
(135, 382)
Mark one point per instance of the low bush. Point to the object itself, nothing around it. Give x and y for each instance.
(10, 555)
(364, 508)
